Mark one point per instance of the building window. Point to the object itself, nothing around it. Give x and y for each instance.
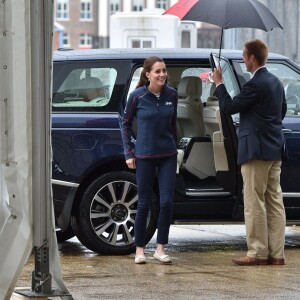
(115, 6)
(164, 4)
(142, 42)
(66, 40)
(137, 5)
(62, 9)
(86, 10)
(185, 39)
(86, 41)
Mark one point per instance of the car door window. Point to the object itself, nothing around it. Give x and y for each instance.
(230, 82)
(134, 80)
(291, 83)
(83, 87)
(90, 87)
(202, 73)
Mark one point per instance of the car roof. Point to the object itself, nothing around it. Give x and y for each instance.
(142, 53)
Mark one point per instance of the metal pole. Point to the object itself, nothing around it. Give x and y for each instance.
(41, 277)
(41, 16)
(297, 58)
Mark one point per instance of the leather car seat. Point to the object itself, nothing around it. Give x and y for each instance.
(90, 88)
(190, 107)
(220, 156)
(209, 113)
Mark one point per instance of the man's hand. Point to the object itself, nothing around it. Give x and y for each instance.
(131, 163)
(217, 76)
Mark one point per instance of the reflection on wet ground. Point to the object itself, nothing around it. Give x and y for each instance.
(202, 269)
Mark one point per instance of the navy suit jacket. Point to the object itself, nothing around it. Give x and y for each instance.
(262, 106)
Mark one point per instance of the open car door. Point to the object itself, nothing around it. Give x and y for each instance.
(228, 172)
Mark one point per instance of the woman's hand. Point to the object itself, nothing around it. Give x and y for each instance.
(131, 163)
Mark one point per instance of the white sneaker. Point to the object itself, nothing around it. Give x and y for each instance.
(165, 259)
(140, 259)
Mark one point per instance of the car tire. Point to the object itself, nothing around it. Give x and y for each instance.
(104, 217)
(65, 235)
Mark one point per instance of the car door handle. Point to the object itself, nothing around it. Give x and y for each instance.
(287, 131)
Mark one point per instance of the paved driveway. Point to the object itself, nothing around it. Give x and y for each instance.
(202, 269)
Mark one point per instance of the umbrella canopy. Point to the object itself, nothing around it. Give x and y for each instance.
(226, 13)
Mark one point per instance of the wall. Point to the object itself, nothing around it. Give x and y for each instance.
(286, 41)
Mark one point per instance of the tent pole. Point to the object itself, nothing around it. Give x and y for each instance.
(41, 17)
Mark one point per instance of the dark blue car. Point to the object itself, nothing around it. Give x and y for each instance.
(95, 194)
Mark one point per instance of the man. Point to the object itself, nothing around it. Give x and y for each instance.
(262, 106)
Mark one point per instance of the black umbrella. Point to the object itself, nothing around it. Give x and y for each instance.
(226, 14)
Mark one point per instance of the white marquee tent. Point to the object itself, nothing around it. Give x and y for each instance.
(26, 212)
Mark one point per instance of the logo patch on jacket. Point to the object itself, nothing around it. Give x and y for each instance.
(169, 103)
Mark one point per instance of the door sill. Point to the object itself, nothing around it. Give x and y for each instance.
(219, 192)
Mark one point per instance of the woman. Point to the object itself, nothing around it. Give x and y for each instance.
(154, 105)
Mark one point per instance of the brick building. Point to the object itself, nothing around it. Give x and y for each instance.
(80, 20)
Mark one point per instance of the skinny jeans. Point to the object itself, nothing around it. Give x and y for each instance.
(146, 170)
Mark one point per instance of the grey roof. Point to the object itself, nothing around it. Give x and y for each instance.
(137, 53)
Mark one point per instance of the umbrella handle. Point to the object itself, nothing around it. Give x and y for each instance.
(220, 46)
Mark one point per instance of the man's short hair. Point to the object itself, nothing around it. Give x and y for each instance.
(258, 49)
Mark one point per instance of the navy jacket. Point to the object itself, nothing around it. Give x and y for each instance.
(156, 123)
(262, 106)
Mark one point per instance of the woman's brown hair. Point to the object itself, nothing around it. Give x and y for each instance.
(148, 64)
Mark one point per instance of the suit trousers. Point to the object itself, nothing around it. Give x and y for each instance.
(265, 218)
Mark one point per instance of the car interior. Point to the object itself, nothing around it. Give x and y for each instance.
(201, 151)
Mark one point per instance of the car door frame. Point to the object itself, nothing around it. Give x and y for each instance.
(231, 179)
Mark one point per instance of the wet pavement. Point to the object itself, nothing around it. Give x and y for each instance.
(201, 269)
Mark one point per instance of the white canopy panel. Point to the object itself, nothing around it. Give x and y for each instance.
(16, 235)
(26, 209)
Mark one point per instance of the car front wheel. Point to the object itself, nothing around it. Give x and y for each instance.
(105, 215)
